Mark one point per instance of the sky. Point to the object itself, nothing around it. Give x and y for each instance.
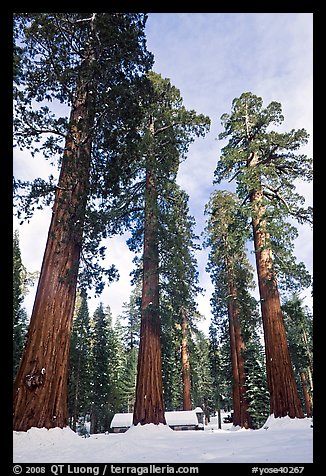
(212, 58)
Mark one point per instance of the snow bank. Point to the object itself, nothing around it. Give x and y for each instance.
(148, 430)
(44, 437)
(285, 441)
(287, 423)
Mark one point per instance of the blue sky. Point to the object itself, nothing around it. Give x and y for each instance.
(212, 58)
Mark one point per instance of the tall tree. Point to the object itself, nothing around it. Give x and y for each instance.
(265, 166)
(93, 63)
(228, 264)
(79, 364)
(19, 313)
(298, 323)
(130, 323)
(168, 131)
(256, 385)
(219, 357)
(202, 393)
(100, 325)
(179, 284)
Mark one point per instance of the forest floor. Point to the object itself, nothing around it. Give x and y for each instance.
(281, 440)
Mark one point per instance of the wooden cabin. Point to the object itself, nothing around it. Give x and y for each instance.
(179, 420)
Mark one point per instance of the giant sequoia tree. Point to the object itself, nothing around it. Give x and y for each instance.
(179, 289)
(168, 130)
(91, 62)
(265, 165)
(231, 274)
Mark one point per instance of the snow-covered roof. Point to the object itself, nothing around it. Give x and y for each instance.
(124, 420)
(188, 417)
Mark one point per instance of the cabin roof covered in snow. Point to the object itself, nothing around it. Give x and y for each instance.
(124, 420)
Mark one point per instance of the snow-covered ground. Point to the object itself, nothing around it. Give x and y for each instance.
(281, 440)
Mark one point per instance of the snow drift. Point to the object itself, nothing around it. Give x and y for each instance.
(280, 440)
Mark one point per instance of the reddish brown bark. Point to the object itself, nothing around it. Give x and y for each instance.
(284, 399)
(149, 403)
(306, 396)
(241, 416)
(186, 381)
(40, 389)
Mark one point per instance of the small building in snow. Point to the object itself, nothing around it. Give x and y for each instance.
(181, 420)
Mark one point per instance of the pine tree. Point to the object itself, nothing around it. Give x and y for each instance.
(265, 166)
(228, 264)
(128, 380)
(116, 368)
(179, 287)
(219, 358)
(19, 313)
(93, 63)
(100, 323)
(168, 131)
(202, 382)
(256, 384)
(79, 364)
(130, 318)
(130, 324)
(298, 323)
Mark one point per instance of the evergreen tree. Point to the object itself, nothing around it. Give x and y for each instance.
(100, 324)
(201, 378)
(128, 380)
(265, 166)
(116, 369)
(19, 313)
(92, 62)
(219, 359)
(179, 287)
(228, 264)
(298, 323)
(79, 364)
(168, 131)
(130, 337)
(256, 384)
(130, 318)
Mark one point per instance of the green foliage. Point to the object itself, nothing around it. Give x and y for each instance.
(261, 159)
(226, 235)
(130, 318)
(19, 313)
(100, 328)
(257, 393)
(299, 326)
(179, 287)
(201, 379)
(54, 52)
(127, 386)
(219, 363)
(278, 164)
(80, 368)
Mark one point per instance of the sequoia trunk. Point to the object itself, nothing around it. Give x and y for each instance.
(306, 396)
(284, 399)
(186, 382)
(241, 416)
(40, 389)
(149, 404)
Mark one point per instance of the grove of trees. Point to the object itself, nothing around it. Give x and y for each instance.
(118, 155)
